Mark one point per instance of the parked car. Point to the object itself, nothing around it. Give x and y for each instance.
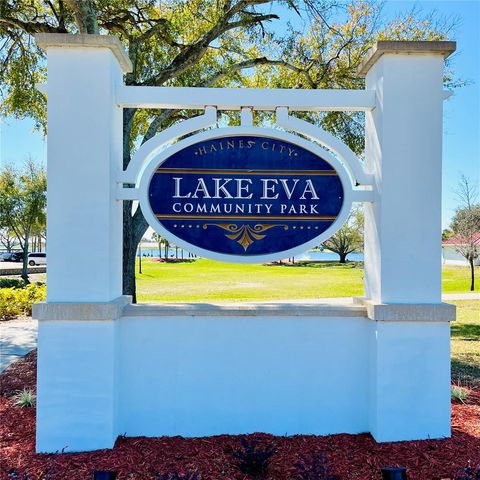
(11, 256)
(37, 259)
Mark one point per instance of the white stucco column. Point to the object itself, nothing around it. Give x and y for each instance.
(404, 152)
(84, 222)
(76, 400)
(410, 334)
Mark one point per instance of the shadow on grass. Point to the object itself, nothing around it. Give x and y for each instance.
(466, 330)
(317, 264)
(465, 372)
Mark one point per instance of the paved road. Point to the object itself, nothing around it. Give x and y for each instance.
(15, 268)
(18, 337)
(10, 265)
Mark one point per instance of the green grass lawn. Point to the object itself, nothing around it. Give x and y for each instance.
(466, 343)
(208, 281)
(457, 279)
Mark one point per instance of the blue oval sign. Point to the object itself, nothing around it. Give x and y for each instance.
(245, 195)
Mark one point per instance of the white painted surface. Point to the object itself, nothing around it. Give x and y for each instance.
(450, 256)
(346, 156)
(196, 376)
(207, 376)
(404, 152)
(158, 142)
(84, 156)
(75, 362)
(266, 99)
(410, 380)
(76, 398)
(201, 375)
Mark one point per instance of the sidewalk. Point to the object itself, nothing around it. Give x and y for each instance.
(17, 338)
(461, 296)
(348, 300)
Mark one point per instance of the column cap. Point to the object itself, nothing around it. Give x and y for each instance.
(68, 40)
(404, 47)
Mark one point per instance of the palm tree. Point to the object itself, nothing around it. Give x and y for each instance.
(159, 239)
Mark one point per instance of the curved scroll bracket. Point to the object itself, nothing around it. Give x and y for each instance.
(151, 147)
(327, 140)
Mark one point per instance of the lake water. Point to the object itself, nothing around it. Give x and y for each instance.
(310, 255)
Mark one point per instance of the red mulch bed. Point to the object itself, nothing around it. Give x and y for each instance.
(214, 458)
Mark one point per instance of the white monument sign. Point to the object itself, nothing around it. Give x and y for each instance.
(107, 367)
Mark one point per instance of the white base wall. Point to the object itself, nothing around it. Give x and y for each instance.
(199, 376)
(320, 370)
(410, 381)
(75, 386)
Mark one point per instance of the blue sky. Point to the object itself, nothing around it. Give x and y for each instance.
(461, 154)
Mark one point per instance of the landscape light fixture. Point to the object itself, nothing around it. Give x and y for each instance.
(394, 473)
(104, 475)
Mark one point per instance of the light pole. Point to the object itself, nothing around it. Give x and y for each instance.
(140, 257)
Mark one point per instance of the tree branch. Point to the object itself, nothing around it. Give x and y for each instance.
(255, 62)
(191, 54)
(85, 15)
(29, 27)
(158, 121)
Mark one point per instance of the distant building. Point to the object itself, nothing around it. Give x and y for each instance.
(450, 256)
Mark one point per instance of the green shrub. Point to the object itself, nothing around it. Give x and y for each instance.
(25, 398)
(29, 295)
(9, 307)
(11, 283)
(459, 393)
(19, 301)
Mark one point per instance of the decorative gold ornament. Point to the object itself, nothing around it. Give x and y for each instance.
(245, 235)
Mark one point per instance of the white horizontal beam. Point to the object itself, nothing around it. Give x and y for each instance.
(265, 99)
(362, 196)
(127, 193)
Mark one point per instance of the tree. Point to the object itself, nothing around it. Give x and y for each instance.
(22, 204)
(166, 246)
(447, 234)
(466, 225)
(349, 238)
(203, 43)
(7, 238)
(156, 237)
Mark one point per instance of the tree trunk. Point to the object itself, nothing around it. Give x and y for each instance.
(25, 261)
(134, 228)
(129, 287)
(129, 251)
(472, 272)
(343, 257)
